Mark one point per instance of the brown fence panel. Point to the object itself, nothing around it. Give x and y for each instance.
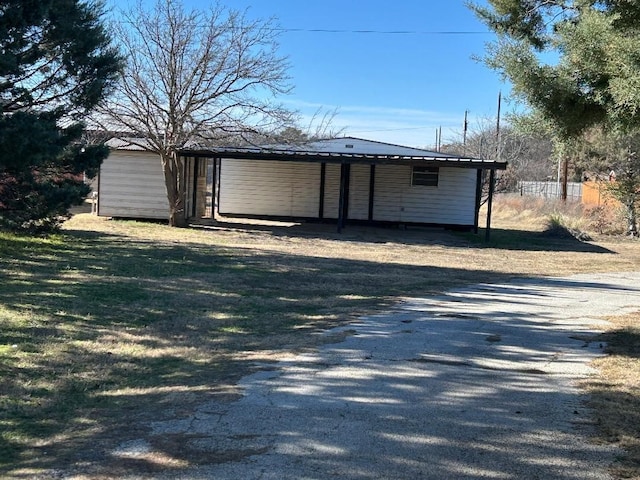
(595, 193)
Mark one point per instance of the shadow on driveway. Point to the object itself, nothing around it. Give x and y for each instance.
(478, 383)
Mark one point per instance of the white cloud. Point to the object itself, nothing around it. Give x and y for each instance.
(411, 127)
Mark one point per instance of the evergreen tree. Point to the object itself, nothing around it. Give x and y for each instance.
(576, 63)
(56, 65)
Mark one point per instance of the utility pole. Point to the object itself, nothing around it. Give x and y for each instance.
(492, 174)
(565, 178)
(498, 146)
(465, 127)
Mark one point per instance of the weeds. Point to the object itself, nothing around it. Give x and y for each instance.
(606, 219)
(562, 226)
(562, 218)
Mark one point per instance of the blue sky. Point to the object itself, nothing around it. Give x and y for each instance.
(391, 87)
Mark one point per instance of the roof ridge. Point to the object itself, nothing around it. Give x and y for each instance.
(350, 137)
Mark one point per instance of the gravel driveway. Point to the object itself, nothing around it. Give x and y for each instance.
(477, 383)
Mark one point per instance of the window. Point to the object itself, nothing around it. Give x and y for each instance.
(425, 176)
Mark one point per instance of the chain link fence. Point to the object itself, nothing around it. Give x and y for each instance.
(550, 189)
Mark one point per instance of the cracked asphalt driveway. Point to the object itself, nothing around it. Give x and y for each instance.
(477, 383)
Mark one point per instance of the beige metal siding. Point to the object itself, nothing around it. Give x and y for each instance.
(359, 192)
(132, 185)
(451, 202)
(332, 190)
(254, 187)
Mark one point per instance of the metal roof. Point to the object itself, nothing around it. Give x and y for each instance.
(346, 150)
(133, 144)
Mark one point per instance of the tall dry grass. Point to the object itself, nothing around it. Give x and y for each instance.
(540, 214)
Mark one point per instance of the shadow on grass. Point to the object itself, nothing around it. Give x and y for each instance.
(624, 432)
(100, 333)
(526, 240)
(502, 239)
(98, 330)
(615, 398)
(623, 341)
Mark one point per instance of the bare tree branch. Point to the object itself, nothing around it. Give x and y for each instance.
(195, 75)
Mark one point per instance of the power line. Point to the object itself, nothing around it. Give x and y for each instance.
(366, 32)
(383, 32)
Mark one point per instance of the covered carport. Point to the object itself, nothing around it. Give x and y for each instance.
(345, 153)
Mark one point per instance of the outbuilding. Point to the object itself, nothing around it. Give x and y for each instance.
(341, 180)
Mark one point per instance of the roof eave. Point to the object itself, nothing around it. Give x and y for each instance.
(361, 158)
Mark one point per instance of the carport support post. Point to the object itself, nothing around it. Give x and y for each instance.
(492, 181)
(343, 192)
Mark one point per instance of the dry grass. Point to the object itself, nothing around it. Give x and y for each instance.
(615, 392)
(113, 323)
(515, 211)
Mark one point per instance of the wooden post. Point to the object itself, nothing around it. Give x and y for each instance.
(565, 175)
(492, 181)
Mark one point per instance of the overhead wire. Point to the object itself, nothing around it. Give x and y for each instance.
(383, 32)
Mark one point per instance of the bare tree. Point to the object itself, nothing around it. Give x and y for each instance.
(319, 127)
(528, 154)
(194, 76)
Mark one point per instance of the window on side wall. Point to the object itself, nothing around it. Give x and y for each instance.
(425, 176)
